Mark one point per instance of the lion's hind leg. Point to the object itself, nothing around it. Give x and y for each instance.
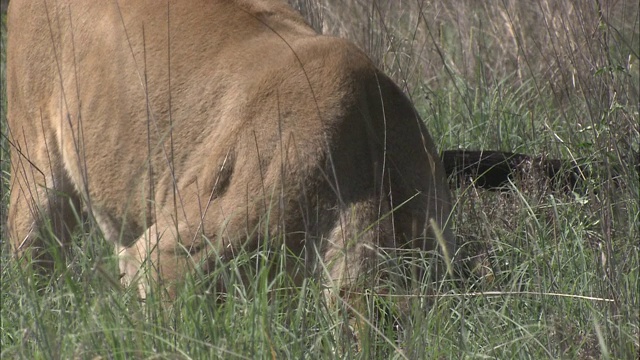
(44, 207)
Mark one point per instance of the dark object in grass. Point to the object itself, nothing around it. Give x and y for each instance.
(493, 169)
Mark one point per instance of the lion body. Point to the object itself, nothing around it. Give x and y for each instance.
(194, 129)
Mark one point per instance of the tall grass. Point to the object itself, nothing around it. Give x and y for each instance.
(4, 147)
(562, 270)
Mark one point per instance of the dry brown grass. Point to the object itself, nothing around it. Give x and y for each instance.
(578, 60)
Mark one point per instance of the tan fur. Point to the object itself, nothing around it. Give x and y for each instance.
(195, 129)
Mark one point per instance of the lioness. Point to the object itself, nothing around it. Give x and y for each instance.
(191, 130)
